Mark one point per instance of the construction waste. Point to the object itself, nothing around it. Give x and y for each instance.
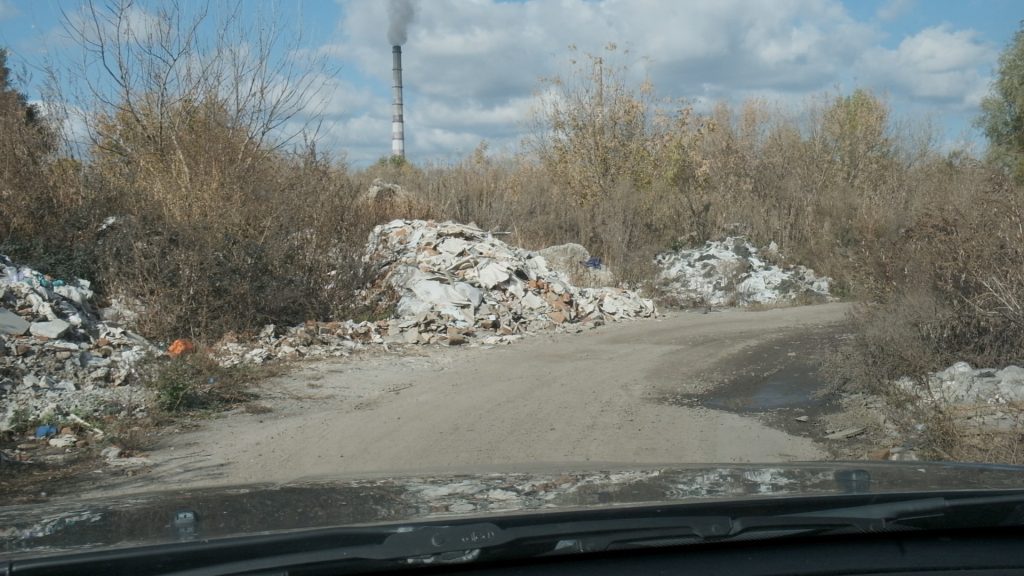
(58, 356)
(454, 284)
(733, 272)
(962, 385)
(452, 281)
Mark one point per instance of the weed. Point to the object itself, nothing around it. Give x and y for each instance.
(197, 382)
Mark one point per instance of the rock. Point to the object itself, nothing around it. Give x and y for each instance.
(846, 433)
(882, 454)
(111, 453)
(12, 324)
(901, 454)
(455, 338)
(52, 329)
(22, 349)
(63, 441)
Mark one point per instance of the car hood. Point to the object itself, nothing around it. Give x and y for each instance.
(154, 518)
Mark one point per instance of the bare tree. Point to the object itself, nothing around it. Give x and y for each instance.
(155, 64)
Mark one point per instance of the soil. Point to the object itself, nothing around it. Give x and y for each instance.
(689, 387)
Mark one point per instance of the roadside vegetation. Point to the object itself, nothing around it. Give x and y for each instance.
(202, 201)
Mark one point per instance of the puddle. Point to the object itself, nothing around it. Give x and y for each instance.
(779, 375)
(793, 386)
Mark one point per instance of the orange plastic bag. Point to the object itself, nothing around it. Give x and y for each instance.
(180, 347)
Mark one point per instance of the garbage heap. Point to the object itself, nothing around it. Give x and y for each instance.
(57, 356)
(451, 281)
(733, 272)
(964, 386)
(448, 283)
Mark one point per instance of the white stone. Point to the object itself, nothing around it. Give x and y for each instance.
(52, 329)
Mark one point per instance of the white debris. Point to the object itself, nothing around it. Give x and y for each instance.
(576, 264)
(52, 329)
(448, 275)
(733, 272)
(57, 357)
(960, 384)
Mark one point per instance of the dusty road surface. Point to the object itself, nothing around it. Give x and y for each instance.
(550, 401)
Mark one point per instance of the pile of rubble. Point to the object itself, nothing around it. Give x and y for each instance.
(732, 272)
(982, 398)
(57, 356)
(451, 281)
(965, 386)
(309, 340)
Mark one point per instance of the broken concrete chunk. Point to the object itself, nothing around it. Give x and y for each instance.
(52, 329)
(64, 441)
(11, 323)
(455, 338)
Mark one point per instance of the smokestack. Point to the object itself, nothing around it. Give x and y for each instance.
(397, 122)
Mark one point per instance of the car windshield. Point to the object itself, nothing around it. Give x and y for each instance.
(424, 259)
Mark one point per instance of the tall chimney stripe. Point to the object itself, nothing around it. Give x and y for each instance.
(397, 122)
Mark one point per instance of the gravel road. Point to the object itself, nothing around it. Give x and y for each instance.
(549, 402)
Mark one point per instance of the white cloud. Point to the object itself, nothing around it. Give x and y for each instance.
(937, 64)
(894, 9)
(472, 66)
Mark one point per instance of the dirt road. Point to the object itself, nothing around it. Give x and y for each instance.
(551, 401)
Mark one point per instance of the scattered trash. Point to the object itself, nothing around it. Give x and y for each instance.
(107, 223)
(846, 433)
(963, 385)
(732, 272)
(802, 419)
(180, 347)
(45, 431)
(57, 355)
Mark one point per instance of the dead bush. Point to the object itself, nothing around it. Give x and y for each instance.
(197, 382)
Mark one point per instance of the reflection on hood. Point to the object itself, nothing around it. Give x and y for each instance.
(220, 512)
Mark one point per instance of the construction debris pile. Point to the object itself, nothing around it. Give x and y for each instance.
(732, 272)
(448, 283)
(962, 385)
(58, 357)
(451, 281)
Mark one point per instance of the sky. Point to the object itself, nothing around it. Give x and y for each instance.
(472, 68)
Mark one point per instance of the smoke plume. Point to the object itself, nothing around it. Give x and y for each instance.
(400, 14)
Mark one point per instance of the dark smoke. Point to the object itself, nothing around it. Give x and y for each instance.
(400, 13)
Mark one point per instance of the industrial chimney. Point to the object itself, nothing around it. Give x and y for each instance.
(397, 122)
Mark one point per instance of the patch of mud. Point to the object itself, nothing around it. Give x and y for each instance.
(778, 380)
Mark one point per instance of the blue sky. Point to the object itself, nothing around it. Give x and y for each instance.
(472, 66)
